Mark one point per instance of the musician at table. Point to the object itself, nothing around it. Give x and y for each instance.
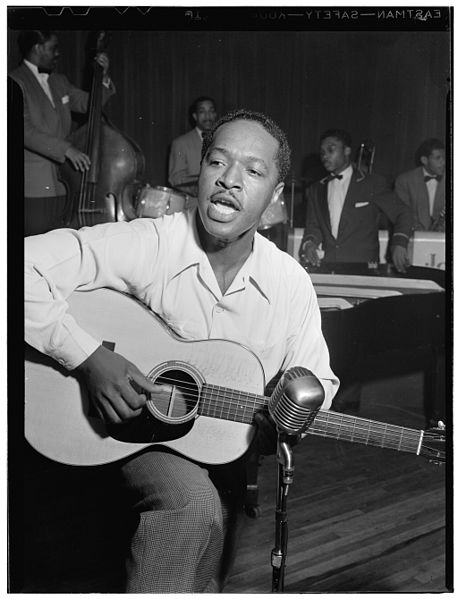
(185, 152)
(49, 99)
(204, 272)
(344, 208)
(423, 188)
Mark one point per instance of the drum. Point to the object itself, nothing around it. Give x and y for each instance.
(274, 214)
(154, 202)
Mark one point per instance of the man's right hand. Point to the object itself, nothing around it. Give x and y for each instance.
(109, 377)
(80, 160)
(308, 253)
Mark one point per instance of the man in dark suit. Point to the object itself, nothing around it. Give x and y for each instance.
(49, 99)
(423, 188)
(343, 211)
(185, 153)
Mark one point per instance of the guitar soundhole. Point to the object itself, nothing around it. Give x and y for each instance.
(180, 399)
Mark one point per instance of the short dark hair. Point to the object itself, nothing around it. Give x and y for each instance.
(427, 147)
(27, 39)
(339, 134)
(199, 100)
(283, 157)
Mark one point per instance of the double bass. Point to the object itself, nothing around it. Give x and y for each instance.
(107, 191)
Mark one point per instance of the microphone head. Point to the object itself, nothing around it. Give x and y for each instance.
(296, 400)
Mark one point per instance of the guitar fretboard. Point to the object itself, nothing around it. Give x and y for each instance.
(238, 406)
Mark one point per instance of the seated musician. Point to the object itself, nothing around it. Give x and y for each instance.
(49, 98)
(185, 153)
(343, 211)
(423, 188)
(204, 272)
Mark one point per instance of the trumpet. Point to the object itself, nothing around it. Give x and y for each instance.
(365, 157)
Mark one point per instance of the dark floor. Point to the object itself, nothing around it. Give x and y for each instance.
(360, 519)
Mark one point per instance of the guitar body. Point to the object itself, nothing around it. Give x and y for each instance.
(212, 390)
(61, 423)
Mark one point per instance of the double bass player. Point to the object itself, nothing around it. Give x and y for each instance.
(49, 98)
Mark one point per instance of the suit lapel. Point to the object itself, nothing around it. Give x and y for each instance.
(323, 203)
(350, 200)
(422, 200)
(439, 199)
(36, 85)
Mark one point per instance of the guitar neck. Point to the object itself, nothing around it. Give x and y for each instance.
(237, 406)
(367, 432)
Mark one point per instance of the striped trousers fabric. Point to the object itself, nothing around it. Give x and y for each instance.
(186, 531)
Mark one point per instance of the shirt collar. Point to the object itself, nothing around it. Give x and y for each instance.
(253, 271)
(35, 71)
(426, 174)
(346, 173)
(199, 133)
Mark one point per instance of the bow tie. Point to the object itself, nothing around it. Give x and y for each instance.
(436, 177)
(331, 177)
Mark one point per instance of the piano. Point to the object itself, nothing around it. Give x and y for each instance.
(371, 310)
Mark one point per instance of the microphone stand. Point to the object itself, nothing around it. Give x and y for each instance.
(285, 472)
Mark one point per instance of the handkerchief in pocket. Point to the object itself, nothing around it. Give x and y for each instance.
(361, 204)
(65, 99)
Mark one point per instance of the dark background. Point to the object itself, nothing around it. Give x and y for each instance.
(388, 86)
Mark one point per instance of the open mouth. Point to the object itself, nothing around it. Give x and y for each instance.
(225, 203)
(223, 206)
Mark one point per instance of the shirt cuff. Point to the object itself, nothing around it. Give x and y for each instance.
(400, 239)
(74, 348)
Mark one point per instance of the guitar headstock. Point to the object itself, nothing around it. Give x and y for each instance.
(433, 445)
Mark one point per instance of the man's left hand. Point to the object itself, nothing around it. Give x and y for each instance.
(400, 258)
(103, 60)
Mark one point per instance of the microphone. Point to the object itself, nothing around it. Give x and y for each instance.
(296, 400)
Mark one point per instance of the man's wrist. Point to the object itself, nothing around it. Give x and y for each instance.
(400, 239)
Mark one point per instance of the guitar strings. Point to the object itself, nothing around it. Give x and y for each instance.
(370, 430)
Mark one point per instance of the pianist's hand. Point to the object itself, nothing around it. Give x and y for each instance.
(400, 258)
(109, 378)
(308, 253)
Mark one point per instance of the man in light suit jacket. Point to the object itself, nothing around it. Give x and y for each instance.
(343, 211)
(185, 153)
(423, 188)
(49, 99)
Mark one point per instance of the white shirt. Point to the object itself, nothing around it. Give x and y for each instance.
(270, 308)
(431, 186)
(42, 79)
(337, 190)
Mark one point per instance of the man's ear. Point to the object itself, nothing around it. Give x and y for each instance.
(194, 116)
(277, 192)
(347, 151)
(423, 160)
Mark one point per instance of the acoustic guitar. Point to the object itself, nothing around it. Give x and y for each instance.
(213, 388)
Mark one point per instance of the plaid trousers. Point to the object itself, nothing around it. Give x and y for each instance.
(186, 531)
